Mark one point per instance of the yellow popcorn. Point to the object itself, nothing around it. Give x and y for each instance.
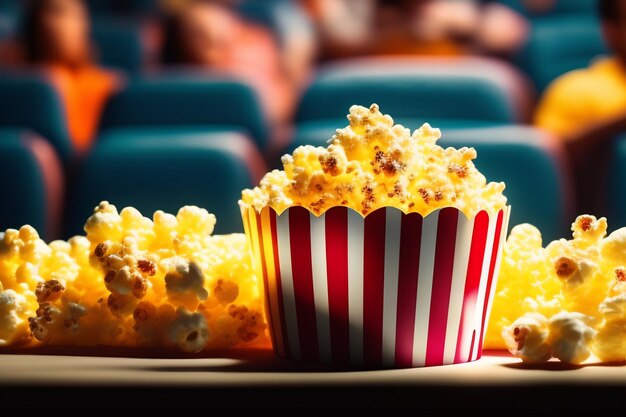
(131, 281)
(527, 338)
(576, 287)
(373, 163)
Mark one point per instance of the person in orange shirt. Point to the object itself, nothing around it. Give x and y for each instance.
(586, 109)
(209, 34)
(55, 39)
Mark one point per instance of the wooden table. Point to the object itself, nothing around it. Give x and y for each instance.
(497, 384)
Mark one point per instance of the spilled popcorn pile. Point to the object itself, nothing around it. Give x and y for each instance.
(373, 163)
(131, 281)
(567, 300)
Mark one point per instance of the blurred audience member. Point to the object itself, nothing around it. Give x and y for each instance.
(55, 39)
(584, 99)
(586, 109)
(210, 35)
(417, 27)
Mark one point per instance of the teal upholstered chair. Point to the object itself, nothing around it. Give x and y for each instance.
(526, 159)
(560, 44)
(118, 43)
(29, 102)
(472, 90)
(188, 101)
(562, 7)
(616, 191)
(122, 7)
(32, 185)
(164, 169)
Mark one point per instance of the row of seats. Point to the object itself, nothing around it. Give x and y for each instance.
(566, 38)
(152, 169)
(147, 170)
(448, 92)
(171, 140)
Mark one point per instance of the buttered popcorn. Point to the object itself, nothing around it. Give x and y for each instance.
(575, 288)
(131, 281)
(373, 163)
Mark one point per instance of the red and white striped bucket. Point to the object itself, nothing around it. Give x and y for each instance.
(386, 290)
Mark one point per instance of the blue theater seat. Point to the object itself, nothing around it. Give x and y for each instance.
(118, 43)
(526, 159)
(188, 101)
(560, 44)
(122, 7)
(32, 183)
(561, 7)
(616, 191)
(471, 91)
(29, 102)
(156, 169)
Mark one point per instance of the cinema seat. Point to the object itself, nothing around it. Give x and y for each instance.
(187, 101)
(475, 90)
(560, 44)
(32, 183)
(158, 169)
(118, 44)
(29, 102)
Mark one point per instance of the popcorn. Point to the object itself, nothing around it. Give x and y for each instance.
(610, 343)
(131, 281)
(580, 284)
(14, 311)
(189, 331)
(373, 163)
(184, 281)
(527, 338)
(570, 337)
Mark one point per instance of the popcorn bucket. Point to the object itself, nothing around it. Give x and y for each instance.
(388, 290)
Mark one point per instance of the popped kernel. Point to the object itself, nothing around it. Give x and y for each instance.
(373, 163)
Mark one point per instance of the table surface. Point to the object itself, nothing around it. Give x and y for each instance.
(249, 380)
(261, 368)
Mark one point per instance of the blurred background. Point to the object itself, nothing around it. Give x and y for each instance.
(162, 103)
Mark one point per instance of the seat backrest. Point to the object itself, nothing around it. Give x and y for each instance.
(122, 7)
(560, 44)
(153, 169)
(451, 88)
(119, 44)
(616, 191)
(560, 7)
(33, 184)
(187, 101)
(29, 102)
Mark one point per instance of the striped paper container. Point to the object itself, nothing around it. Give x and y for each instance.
(389, 290)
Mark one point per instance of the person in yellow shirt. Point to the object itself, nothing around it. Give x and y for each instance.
(586, 109)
